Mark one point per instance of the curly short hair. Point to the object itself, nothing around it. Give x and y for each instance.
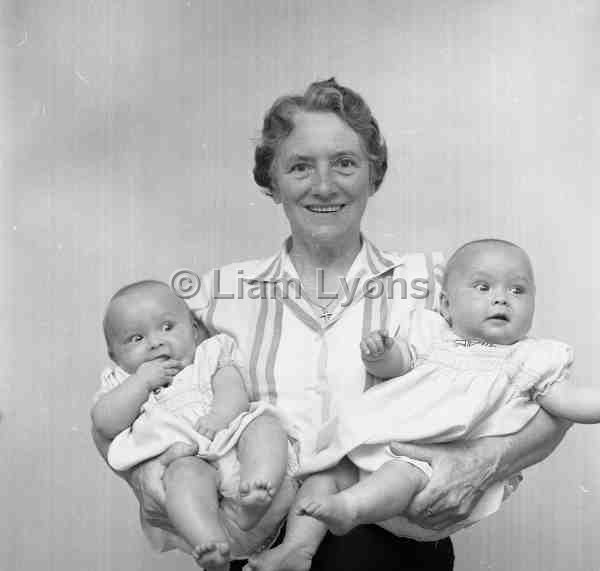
(321, 96)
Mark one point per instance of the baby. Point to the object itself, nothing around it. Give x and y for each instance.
(470, 375)
(173, 383)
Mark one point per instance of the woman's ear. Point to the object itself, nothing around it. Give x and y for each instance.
(274, 194)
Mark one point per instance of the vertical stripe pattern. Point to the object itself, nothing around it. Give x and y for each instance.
(256, 346)
(272, 355)
(430, 282)
(366, 328)
(208, 319)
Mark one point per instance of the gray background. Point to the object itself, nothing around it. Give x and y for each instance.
(127, 132)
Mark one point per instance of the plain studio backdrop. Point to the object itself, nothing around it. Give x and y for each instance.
(126, 152)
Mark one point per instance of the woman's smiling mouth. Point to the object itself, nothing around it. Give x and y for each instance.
(322, 209)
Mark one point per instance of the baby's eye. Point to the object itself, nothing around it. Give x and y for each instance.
(516, 290)
(167, 326)
(135, 339)
(480, 286)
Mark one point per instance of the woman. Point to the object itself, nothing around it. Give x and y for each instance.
(303, 311)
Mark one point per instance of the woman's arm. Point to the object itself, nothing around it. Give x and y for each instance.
(463, 471)
(229, 401)
(146, 479)
(119, 407)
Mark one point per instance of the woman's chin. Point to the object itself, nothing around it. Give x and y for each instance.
(333, 234)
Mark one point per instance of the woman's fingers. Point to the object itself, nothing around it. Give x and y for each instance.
(458, 481)
(177, 450)
(414, 451)
(150, 483)
(439, 517)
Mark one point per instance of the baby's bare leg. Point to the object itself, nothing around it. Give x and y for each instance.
(193, 508)
(304, 534)
(385, 493)
(263, 455)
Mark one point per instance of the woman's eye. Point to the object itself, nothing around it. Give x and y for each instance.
(300, 169)
(345, 164)
(481, 287)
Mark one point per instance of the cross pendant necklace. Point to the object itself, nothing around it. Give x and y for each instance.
(325, 314)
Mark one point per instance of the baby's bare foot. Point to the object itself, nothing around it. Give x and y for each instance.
(212, 555)
(281, 558)
(254, 499)
(334, 511)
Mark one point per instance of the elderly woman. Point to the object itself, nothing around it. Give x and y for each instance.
(303, 311)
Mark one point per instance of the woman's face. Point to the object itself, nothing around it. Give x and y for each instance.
(321, 177)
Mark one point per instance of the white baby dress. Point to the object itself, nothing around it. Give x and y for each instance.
(458, 389)
(169, 416)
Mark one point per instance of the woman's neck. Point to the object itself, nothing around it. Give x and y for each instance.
(331, 260)
(327, 256)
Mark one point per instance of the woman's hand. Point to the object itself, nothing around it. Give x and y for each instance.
(462, 472)
(146, 481)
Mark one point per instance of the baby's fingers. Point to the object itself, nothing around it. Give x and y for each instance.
(171, 366)
(375, 343)
(207, 432)
(364, 349)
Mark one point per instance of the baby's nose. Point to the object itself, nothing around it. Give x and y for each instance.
(499, 297)
(156, 341)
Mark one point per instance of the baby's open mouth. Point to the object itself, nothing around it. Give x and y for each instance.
(325, 209)
(500, 316)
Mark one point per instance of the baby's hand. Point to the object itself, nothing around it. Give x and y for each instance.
(203, 428)
(158, 372)
(374, 345)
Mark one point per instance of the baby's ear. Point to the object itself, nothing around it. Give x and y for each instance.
(200, 331)
(444, 306)
(196, 330)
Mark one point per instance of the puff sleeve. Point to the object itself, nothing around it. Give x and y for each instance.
(547, 362)
(110, 378)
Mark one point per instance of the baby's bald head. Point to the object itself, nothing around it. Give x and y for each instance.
(143, 287)
(464, 255)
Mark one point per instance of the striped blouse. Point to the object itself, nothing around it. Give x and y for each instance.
(300, 362)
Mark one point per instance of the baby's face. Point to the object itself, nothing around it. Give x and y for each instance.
(490, 294)
(151, 323)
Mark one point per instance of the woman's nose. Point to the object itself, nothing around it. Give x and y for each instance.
(322, 185)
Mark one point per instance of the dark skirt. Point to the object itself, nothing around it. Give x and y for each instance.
(371, 548)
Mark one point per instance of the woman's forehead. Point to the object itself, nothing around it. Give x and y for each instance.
(316, 131)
